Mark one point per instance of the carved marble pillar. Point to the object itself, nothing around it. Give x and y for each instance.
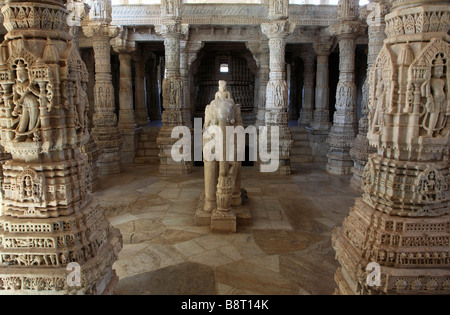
(401, 223)
(50, 222)
(127, 122)
(293, 107)
(77, 12)
(105, 130)
(277, 91)
(343, 131)
(321, 120)
(192, 50)
(307, 112)
(172, 116)
(184, 73)
(320, 126)
(141, 113)
(261, 54)
(90, 148)
(152, 88)
(361, 148)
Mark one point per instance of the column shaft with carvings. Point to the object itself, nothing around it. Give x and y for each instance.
(321, 120)
(90, 148)
(172, 31)
(276, 30)
(105, 131)
(184, 73)
(50, 222)
(78, 11)
(361, 148)
(401, 223)
(127, 122)
(307, 112)
(261, 54)
(320, 126)
(343, 131)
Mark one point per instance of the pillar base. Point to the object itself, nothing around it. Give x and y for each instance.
(360, 152)
(128, 151)
(319, 145)
(242, 212)
(223, 221)
(339, 161)
(109, 162)
(43, 271)
(410, 251)
(167, 165)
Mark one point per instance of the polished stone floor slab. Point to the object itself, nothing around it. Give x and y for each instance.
(286, 249)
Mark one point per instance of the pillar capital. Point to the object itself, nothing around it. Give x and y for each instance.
(277, 29)
(260, 52)
(121, 44)
(100, 31)
(347, 29)
(172, 29)
(323, 48)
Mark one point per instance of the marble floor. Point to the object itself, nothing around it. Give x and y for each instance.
(285, 251)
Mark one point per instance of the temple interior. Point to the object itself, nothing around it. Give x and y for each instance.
(108, 109)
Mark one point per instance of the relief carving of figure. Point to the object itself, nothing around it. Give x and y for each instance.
(380, 103)
(222, 178)
(82, 106)
(26, 101)
(436, 104)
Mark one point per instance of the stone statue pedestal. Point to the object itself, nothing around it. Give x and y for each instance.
(242, 213)
(223, 221)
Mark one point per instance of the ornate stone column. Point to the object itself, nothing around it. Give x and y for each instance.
(343, 131)
(401, 223)
(172, 30)
(307, 112)
(321, 120)
(127, 123)
(90, 148)
(276, 30)
(261, 54)
(105, 131)
(184, 73)
(141, 113)
(153, 101)
(192, 50)
(50, 223)
(77, 12)
(361, 148)
(320, 126)
(293, 110)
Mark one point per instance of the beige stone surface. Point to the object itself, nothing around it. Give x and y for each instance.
(285, 250)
